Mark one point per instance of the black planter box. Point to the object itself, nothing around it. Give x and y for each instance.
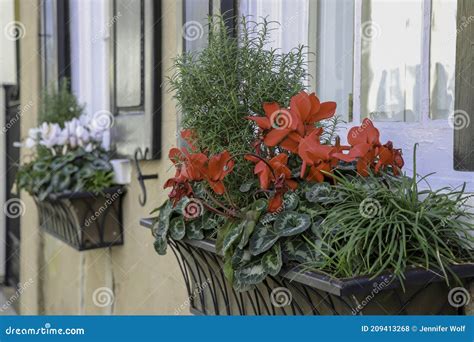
(84, 220)
(296, 292)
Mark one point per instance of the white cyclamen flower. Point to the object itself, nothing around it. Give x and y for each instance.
(50, 135)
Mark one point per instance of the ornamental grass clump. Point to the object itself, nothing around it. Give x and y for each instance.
(381, 225)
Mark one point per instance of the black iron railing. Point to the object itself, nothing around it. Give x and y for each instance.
(84, 220)
(296, 292)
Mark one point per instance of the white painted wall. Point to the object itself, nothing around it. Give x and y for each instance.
(7, 75)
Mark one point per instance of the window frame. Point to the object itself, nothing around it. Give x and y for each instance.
(139, 109)
(62, 43)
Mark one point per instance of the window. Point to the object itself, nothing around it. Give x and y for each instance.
(128, 51)
(55, 42)
(195, 30)
(390, 60)
(136, 77)
(334, 39)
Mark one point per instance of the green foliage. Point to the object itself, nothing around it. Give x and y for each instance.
(227, 81)
(59, 106)
(360, 226)
(388, 225)
(77, 170)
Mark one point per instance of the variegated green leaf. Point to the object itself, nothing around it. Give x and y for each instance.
(322, 193)
(290, 201)
(313, 210)
(268, 218)
(233, 235)
(177, 228)
(164, 218)
(318, 193)
(160, 229)
(262, 239)
(229, 270)
(250, 221)
(221, 234)
(298, 250)
(250, 274)
(240, 257)
(160, 245)
(272, 261)
(291, 223)
(194, 230)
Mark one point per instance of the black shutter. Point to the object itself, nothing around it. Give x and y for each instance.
(64, 44)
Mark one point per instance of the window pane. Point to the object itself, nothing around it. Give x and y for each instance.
(49, 52)
(195, 29)
(128, 53)
(391, 43)
(291, 14)
(443, 57)
(335, 54)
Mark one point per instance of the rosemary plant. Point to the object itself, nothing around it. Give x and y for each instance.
(229, 80)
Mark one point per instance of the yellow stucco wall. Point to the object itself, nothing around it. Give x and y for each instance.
(64, 280)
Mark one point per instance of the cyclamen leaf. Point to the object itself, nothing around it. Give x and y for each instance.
(291, 223)
(250, 221)
(160, 245)
(229, 270)
(290, 201)
(177, 228)
(194, 230)
(160, 229)
(272, 261)
(262, 239)
(233, 235)
(221, 234)
(240, 257)
(298, 250)
(250, 274)
(322, 193)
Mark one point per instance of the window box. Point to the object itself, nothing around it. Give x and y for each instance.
(309, 293)
(84, 220)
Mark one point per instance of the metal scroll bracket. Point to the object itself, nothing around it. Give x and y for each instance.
(139, 155)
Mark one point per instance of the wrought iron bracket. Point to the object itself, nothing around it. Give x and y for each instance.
(139, 155)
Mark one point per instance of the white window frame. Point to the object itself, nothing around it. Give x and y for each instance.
(435, 137)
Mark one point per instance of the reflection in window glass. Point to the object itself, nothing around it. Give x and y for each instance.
(128, 54)
(391, 43)
(195, 29)
(49, 46)
(443, 58)
(291, 14)
(335, 54)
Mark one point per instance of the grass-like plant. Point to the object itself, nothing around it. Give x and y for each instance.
(388, 224)
(229, 80)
